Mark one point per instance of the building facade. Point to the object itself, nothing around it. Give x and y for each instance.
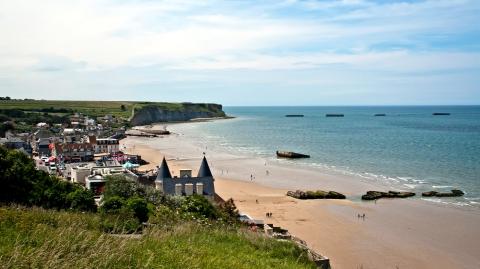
(202, 184)
(76, 152)
(107, 145)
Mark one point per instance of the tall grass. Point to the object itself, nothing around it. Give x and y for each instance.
(49, 239)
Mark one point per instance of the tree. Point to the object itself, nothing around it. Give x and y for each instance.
(16, 172)
(123, 108)
(21, 183)
(5, 126)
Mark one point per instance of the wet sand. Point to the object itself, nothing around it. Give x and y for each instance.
(401, 233)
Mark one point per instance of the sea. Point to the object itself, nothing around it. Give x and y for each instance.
(409, 147)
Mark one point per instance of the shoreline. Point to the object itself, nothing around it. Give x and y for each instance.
(405, 233)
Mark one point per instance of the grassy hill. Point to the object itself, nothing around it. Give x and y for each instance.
(121, 109)
(50, 239)
(91, 108)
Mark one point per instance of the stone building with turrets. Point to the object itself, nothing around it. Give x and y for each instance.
(185, 184)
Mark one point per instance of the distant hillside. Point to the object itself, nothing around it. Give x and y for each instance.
(137, 112)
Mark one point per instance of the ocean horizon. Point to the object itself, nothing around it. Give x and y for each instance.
(409, 148)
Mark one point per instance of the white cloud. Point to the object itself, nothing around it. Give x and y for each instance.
(91, 37)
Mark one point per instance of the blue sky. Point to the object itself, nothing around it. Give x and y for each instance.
(350, 52)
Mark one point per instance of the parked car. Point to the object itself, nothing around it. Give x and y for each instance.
(53, 170)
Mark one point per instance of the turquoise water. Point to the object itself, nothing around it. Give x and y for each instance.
(409, 147)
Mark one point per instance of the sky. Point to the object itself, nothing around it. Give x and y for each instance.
(342, 52)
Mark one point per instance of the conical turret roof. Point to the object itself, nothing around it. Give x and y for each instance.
(204, 170)
(164, 171)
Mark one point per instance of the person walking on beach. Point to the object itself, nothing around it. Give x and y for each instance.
(251, 177)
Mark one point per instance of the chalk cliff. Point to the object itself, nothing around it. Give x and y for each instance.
(177, 112)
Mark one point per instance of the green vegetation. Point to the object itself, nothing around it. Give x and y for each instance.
(126, 203)
(90, 108)
(136, 227)
(49, 239)
(24, 120)
(23, 114)
(22, 184)
(119, 109)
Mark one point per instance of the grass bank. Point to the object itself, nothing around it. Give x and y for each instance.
(33, 237)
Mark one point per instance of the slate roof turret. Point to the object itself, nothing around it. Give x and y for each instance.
(163, 171)
(204, 170)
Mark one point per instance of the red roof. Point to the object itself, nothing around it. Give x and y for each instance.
(69, 147)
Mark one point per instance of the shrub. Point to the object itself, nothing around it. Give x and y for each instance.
(228, 211)
(122, 221)
(140, 208)
(81, 200)
(164, 215)
(112, 204)
(199, 206)
(119, 185)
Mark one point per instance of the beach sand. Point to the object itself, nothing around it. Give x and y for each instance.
(400, 233)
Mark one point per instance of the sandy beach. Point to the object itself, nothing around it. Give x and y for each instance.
(401, 233)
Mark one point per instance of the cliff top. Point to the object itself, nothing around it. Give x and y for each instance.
(120, 109)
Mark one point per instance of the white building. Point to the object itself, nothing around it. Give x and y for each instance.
(96, 181)
(107, 145)
(104, 145)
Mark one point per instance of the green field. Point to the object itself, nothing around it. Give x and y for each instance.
(90, 108)
(38, 238)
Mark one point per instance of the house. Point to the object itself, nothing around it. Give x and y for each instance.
(202, 184)
(89, 122)
(73, 152)
(42, 125)
(42, 133)
(78, 172)
(72, 135)
(16, 143)
(96, 181)
(42, 146)
(77, 117)
(104, 145)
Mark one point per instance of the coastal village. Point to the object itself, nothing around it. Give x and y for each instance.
(87, 150)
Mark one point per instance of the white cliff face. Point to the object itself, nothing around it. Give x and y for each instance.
(152, 114)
